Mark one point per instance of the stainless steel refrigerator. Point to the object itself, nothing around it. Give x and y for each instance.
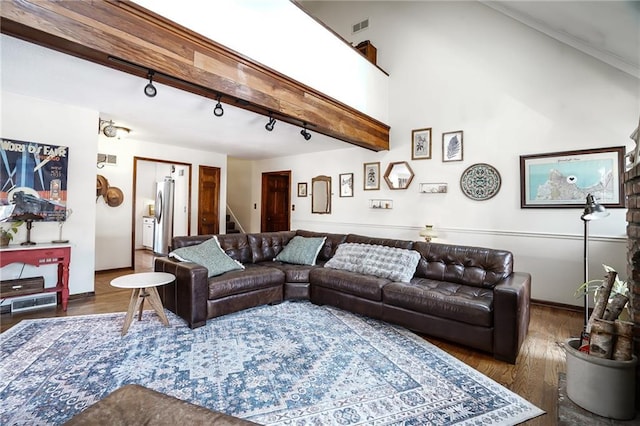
(163, 229)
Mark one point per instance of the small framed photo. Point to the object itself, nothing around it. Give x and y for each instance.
(371, 176)
(302, 189)
(346, 185)
(421, 144)
(452, 146)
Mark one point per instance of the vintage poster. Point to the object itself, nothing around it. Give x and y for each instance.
(33, 181)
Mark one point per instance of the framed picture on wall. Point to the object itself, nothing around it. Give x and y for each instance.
(371, 176)
(421, 144)
(564, 179)
(346, 185)
(452, 146)
(302, 189)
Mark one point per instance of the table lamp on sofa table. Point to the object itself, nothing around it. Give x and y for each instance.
(61, 223)
(28, 218)
(592, 211)
(428, 233)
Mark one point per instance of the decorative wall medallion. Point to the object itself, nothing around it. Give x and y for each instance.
(480, 181)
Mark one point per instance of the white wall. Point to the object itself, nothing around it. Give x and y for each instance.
(240, 191)
(30, 119)
(513, 91)
(114, 225)
(290, 42)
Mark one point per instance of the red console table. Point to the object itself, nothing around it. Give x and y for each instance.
(43, 254)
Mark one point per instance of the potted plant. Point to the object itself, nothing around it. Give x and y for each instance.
(601, 373)
(6, 234)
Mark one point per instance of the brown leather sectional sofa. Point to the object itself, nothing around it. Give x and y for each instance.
(467, 295)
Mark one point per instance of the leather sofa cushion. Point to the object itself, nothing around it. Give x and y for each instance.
(365, 286)
(471, 305)
(403, 244)
(475, 266)
(292, 273)
(236, 246)
(330, 244)
(266, 245)
(254, 277)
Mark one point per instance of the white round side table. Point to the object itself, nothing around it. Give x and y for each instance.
(143, 285)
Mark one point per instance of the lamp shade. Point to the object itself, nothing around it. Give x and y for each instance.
(428, 233)
(593, 210)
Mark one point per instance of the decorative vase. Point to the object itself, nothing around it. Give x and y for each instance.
(4, 240)
(605, 387)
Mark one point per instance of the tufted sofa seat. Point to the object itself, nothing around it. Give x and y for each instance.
(467, 295)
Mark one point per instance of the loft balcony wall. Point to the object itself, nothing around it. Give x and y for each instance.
(278, 34)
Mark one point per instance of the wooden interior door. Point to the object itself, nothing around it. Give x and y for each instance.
(276, 201)
(208, 200)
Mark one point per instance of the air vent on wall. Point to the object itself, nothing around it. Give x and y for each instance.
(108, 159)
(360, 26)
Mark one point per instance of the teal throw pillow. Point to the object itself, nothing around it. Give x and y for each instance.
(301, 250)
(208, 254)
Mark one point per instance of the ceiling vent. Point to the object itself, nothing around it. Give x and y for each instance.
(360, 26)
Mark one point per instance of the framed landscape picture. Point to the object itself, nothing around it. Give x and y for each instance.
(452, 146)
(564, 179)
(371, 176)
(302, 189)
(346, 185)
(421, 144)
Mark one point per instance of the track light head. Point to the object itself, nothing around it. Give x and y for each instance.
(218, 111)
(305, 134)
(110, 130)
(150, 90)
(272, 122)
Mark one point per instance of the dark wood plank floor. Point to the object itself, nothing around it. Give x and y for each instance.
(534, 377)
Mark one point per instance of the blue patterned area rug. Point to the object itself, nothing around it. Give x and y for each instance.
(292, 363)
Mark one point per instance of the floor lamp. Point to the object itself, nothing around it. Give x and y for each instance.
(592, 211)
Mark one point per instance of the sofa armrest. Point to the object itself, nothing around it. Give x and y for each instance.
(511, 300)
(187, 297)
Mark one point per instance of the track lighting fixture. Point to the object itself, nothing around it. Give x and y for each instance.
(110, 130)
(305, 133)
(218, 111)
(150, 89)
(271, 123)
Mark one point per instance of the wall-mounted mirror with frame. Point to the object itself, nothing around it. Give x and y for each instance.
(398, 175)
(321, 195)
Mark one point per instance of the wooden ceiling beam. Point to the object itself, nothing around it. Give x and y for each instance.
(101, 30)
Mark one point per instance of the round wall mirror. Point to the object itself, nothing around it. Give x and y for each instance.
(398, 175)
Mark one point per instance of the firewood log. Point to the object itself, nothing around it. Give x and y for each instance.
(624, 338)
(615, 307)
(603, 298)
(602, 338)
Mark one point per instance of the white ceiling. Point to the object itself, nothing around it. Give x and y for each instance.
(609, 31)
